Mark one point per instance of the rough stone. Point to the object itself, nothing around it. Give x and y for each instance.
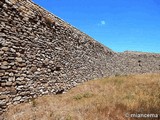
(3, 97)
(1, 52)
(18, 59)
(3, 84)
(4, 63)
(33, 69)
(2, 103)
(5, 49)
(7, 1)
(20, 79)
(3, 67)
(12, 50)
(17, 98)
(11, 79)
(1, 74)
(11, 58)
(8, 83)
(13, 90)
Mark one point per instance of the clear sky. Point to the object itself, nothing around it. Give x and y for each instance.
(118, 24)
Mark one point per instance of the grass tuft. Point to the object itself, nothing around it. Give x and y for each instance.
(81, 96)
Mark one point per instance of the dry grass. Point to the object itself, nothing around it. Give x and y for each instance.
(104, 99)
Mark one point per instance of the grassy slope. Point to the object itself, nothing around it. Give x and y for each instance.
(104, 99)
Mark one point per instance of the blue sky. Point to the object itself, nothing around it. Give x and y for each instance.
(118, 24)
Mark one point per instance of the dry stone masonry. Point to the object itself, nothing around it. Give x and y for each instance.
(41, 54)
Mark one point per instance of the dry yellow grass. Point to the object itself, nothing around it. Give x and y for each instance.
(104, 99)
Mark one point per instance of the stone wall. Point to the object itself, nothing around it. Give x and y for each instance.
(134, 62)
(41, 54)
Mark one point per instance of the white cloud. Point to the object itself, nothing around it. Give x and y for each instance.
(102, 23)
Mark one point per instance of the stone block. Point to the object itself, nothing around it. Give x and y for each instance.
(18, 98)
(2, 97)
(19, 59)
(5, 49)
(2, 103)
(3, 67)
(8, 84)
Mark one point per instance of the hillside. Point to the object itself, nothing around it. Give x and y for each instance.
(103, 99)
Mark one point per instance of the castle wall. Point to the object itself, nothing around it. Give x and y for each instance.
(134, 63)
(41, 54)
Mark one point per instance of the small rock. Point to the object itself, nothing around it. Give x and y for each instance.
(20, 82)
(1, 74)
(12, 50)
(26, 18)
(15, 6)
(22, 64)
(46, 61)
(37, 73)
(18, 59)
(6, 74)
(12, 64)
(8, 83)
(11, 74)
(3, 97)
(39, 69)
(2, 35)
(23, 75)
(33, 69)
(8, 2)
(18, 54)
(4, 63)
(16, 102)
(1, 52)
(11, 58)
(20, 79)
(3, 84)
(3, 67)
(13, 91)
(25, 93)
(5, 49)
(11, 79)
(17, 98)
(2, 71)
(2, 102)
